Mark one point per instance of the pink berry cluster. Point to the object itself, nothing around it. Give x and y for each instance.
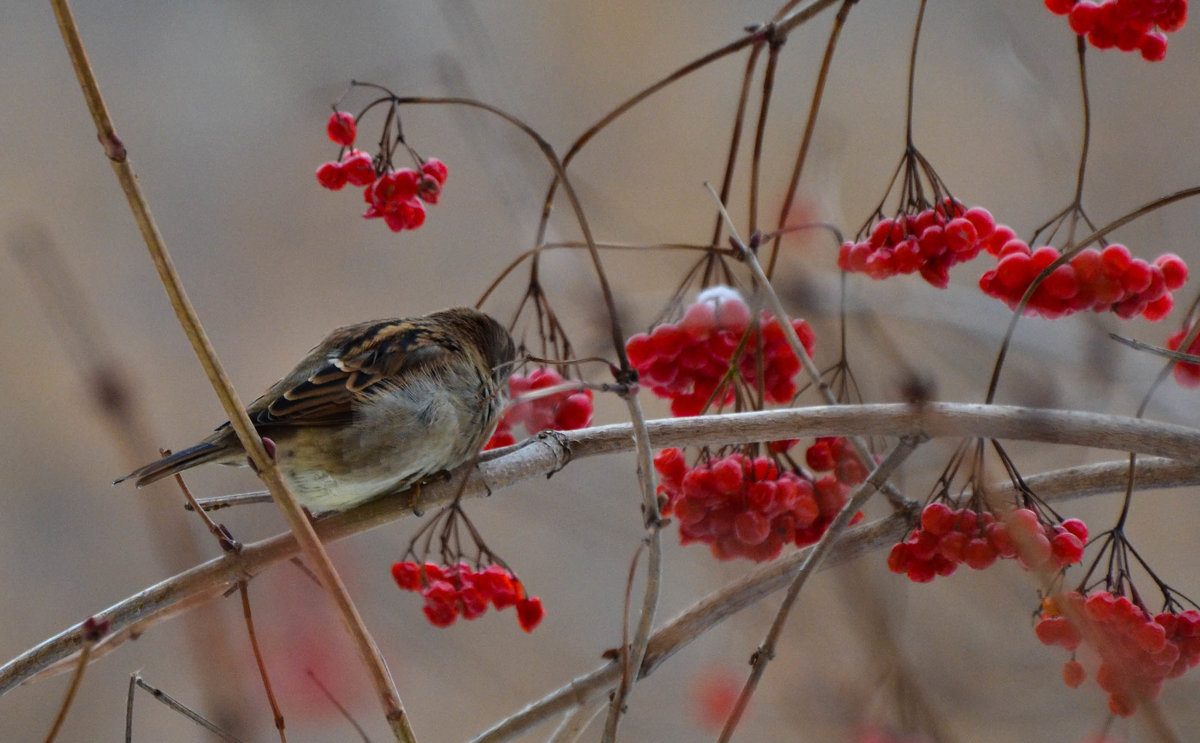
(744, 507)
(451, 591)
(1187, 375)
(928, 242)
(686, 361)
(1096, 280)
(1137, 651)
(397, 196)
(562, 411)
(1128, 25)
(947, 538)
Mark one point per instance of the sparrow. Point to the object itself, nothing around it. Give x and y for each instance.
(375, 407)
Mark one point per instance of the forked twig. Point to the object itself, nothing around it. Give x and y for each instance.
(136, 682)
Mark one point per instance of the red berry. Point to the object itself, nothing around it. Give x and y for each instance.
(937, 518)
(1076, 527)
(751, 527)
(530, 613)
(1057, 631)
(472, 603)
(331, 175)
(640, 349)
(953, 546)
(1159, 308)
(407, 575)
(920, 571)
(727, 475)
(435, 169)
(341, 128)
(429, 190)
(979, 554)
(574, 413)
(819, 456)
(1153, 46)
(1175, 271)
(1067, 548)
(1061, 283)
(1073, 673)
(393, 187)
(1115, 258)
(359, 168)
(1136, 277)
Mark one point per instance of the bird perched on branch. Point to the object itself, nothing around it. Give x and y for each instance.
(374, 408)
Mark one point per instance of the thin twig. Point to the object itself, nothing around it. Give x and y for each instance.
(258, 659)
(653, 525)
(859, 498)
(72, 690)
(297, 520)
(1166, 353)
(340, 708)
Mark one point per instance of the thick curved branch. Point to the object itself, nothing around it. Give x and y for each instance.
(550, 453)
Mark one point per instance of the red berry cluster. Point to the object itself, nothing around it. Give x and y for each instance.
(929, 242)
(454, 590)
(1137, 651)
(947, 538)
(746, 507)
(1187, 375)
(1096, 280)
(396, 196)
(562, 411)
(685, 362)
(1124, 24)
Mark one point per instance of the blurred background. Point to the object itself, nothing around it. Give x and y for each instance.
(222, 107)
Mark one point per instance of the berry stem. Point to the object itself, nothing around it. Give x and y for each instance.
(1077, 203)
(810, 125)
(912, 77)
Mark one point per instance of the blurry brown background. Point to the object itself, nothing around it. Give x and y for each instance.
(222, 106)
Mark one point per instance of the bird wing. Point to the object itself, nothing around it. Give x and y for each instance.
(348, 366)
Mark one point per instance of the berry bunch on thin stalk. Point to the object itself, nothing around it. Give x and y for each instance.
(397, 195)
(1106, 625)
(964, 527)
(928, 234)
(533, 410)
(466, 577)
(1128, 25)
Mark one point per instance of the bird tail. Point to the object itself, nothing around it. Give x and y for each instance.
(205, 451)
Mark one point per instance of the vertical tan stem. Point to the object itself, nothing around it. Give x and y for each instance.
(297, 520)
